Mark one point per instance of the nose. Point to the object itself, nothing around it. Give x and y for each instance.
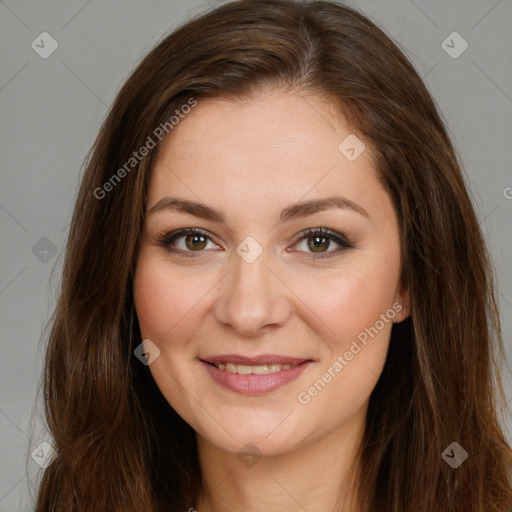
(252, 298)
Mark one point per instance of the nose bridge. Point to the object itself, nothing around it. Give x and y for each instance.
(251, 297)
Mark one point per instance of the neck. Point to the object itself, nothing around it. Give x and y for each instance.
(319, 474)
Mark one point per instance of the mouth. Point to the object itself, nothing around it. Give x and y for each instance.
(260, 369)
(260, 365)
(254, 375)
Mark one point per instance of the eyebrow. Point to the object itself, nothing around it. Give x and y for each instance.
(294, 211)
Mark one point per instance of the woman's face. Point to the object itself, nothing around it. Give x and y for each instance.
(296, 322)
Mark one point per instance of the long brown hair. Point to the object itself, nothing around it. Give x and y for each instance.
(120, 445)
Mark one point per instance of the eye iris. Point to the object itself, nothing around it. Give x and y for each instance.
(318, 243)
(193, 238)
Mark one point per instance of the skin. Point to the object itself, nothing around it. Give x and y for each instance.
(251, 159)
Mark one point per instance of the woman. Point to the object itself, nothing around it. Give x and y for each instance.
(276, 295)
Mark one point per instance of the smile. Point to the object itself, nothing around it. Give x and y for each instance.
(263, 369)
(235, 374)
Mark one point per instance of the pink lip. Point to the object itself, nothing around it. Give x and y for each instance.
(253, 384)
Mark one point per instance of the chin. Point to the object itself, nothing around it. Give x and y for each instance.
(263, 440)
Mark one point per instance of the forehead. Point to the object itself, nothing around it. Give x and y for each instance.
(271, 123)
(274, 147)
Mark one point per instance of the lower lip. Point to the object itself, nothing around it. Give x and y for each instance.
(253, 384)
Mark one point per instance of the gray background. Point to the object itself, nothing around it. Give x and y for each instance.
(51, 110)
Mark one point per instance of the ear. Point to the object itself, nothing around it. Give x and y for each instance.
(402, 305)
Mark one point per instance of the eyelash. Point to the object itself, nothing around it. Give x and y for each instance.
(166, 239)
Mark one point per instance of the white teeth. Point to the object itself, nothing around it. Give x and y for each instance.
(261, 369)
(243, 369)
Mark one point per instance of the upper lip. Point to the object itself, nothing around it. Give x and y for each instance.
(254, 360)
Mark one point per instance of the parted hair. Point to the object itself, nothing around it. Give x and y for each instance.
(120, 445)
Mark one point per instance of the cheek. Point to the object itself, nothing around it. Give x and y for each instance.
(161, 299)
(353, 358)
(359, 316)
(352, 298)
(357, 308)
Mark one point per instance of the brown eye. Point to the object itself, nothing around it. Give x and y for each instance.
(318, 242)
(195, 241)
(186, 241)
